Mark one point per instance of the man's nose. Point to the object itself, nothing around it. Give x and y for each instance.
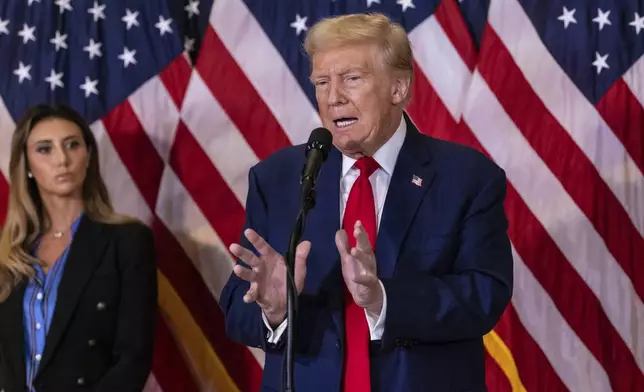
(336, 94)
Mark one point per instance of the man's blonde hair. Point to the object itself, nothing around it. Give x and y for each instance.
(375, 28)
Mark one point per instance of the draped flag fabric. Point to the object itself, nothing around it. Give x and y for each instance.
(184, 96)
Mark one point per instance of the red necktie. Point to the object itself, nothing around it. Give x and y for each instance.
(360, 206)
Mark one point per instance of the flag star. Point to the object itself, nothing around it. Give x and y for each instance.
(97, 11)
(164, 25)
(600, 62)
(64, 5)
(567, 17)
(3, 26)
(638, 23)
(27, 33)
(33, 1)
(54, 79)
(192, 8)
(299, 24)
(406, 4)
(128, 57)
(602, 18)
(189, 44)
(89, 86)
(130, 19)
(59, 41)
(369, 2)
(94, 49)
(22, 72)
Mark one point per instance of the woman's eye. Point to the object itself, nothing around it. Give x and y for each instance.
(72, 144)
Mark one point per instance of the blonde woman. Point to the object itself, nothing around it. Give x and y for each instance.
(77, 281)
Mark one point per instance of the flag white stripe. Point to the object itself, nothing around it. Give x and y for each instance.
(124, 193)
(562, 218)
(634, 78)
(218, 136)
(247, 42)
(181, 215)
(152, 385)
(7, 127)
(450, 77)
(570, 359)
(157, 114)
(570, 107)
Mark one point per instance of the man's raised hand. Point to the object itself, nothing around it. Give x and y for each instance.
(267, 274)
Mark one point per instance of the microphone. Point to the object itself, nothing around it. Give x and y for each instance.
(317, 150)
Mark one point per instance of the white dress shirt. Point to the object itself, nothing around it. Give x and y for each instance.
(386, 157)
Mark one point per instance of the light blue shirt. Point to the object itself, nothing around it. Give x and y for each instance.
(39, 303)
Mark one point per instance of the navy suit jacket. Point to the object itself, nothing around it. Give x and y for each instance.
(443, 256)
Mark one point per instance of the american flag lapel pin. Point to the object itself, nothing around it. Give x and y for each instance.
(416, 180)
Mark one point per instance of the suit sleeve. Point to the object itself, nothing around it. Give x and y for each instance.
(244, 322)
(467, 302)
(134, 344)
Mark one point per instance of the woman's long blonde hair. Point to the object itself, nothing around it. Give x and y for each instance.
(25, 216)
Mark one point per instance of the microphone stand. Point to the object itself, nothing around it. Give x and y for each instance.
(308, 202)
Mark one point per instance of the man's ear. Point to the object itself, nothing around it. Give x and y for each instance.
(401, 88)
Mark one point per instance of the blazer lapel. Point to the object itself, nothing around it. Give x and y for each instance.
(411, 179)
(85, 252)
(16, 334)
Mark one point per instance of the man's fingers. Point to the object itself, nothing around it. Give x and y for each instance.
(259, 243)
(363, 279)
(244, 273)
(244, 255)
(342, 243)
(251, 294)
(362, 239)
(302, 251)
(301, 254)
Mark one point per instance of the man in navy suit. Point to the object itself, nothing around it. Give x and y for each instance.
(405, 261)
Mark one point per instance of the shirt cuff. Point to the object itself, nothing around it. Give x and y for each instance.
(273, 336)
(377, 324)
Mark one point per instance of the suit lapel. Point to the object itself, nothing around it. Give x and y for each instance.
(85, 252)
(411, 179)
(16, 333)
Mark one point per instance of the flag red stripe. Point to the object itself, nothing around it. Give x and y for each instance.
(527, 354)
(451, 20)
(177, 267)
(495, 378)
(136, 151)
(206, 186)
(170, 371)
(436, 121)
(553, 271)
(173, 261)
(4, 198)
(176, 79)
(625, 116)
(574, 170)
(239, 99)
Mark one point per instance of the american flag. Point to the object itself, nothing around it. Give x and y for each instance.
(184, 96)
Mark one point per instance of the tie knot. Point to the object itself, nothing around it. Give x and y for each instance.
(367, 166)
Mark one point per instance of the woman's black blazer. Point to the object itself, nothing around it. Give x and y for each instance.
(101, 336)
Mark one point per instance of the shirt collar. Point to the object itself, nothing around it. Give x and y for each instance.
(386, 155)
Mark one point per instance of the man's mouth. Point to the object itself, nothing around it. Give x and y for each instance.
(343, 122)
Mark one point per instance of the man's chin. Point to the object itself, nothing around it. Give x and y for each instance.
(349, 147)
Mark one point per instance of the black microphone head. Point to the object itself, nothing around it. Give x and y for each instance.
(320, 139)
